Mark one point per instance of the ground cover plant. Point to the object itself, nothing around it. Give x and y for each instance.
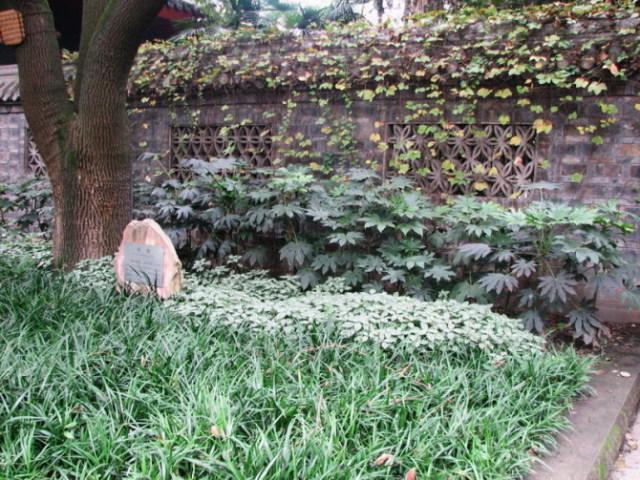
(99, 385)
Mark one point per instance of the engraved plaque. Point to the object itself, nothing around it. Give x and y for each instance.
(146, 261)
(143, 264)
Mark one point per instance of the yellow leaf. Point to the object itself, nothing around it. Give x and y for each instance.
(515, 195)
(493, 171)
(341, 85)
(314, 166)
(378, 124)
(504, 93)
(375, 137)
(637, 106)
(542, 126)
(581, 82)
(480, 186)
(479, 169)
(515, 140)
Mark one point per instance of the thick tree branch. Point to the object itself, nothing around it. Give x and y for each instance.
(112, 49)
(92, 13)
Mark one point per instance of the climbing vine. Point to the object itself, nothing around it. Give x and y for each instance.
(440, 67)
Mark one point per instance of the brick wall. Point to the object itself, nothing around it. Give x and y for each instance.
(12, 143)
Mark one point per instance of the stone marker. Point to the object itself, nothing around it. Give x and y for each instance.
(146, 260)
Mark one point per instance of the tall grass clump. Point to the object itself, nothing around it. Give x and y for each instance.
(96, 385)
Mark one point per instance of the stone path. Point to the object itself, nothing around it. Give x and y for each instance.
(627, 467)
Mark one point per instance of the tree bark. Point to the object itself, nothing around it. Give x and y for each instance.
(84, 140)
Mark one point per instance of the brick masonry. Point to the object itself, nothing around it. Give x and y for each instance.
(12, 143)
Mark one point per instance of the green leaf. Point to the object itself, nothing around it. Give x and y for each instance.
(377, 222)
(307, 278)
(295, 253)
(584, 254)
(394, 276)
(523, 268)
(597, 87)
(440, 273)
(472, 251)
(532, 321)
(325, 263)
(557, 287)
(371, 263)
(349, 238)
(497, 282)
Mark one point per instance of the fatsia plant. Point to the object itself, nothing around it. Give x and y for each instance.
(546, 260)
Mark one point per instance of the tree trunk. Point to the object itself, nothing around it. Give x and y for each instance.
(93, 199)
(84, 141)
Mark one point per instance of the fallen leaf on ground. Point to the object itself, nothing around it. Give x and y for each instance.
(411, 474)
(384, 459)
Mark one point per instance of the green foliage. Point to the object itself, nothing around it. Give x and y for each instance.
(254, 302)
(98, 385)
(503, 55)
(26, 205)
(543, 261)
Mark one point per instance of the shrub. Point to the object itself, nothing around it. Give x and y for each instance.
(27, 205)
(544, 261)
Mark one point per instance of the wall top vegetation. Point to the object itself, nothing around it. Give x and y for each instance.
(584, 46)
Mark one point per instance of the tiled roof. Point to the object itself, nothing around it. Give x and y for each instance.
(9, 86)
(183, 6)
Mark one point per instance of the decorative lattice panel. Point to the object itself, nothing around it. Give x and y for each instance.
(489, 159)
(33, 160)
(250, 143)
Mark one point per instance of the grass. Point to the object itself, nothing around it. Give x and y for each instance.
(99, 386)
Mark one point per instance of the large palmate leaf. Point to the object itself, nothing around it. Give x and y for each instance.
(307, 278)
(348, 238)
(372, 263)
(183, 212)
(498, 282)
(481, 230)
(523, 268)
(295, 253)
(289, 210)
(420, 261)
(378, 222)
(440, 273)
(502, 256)
(325, 263)
(586, 324)
(466, 290)
(257, 256)
(472, 251)
(532, 321)
(557, 287)
(394, 276)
